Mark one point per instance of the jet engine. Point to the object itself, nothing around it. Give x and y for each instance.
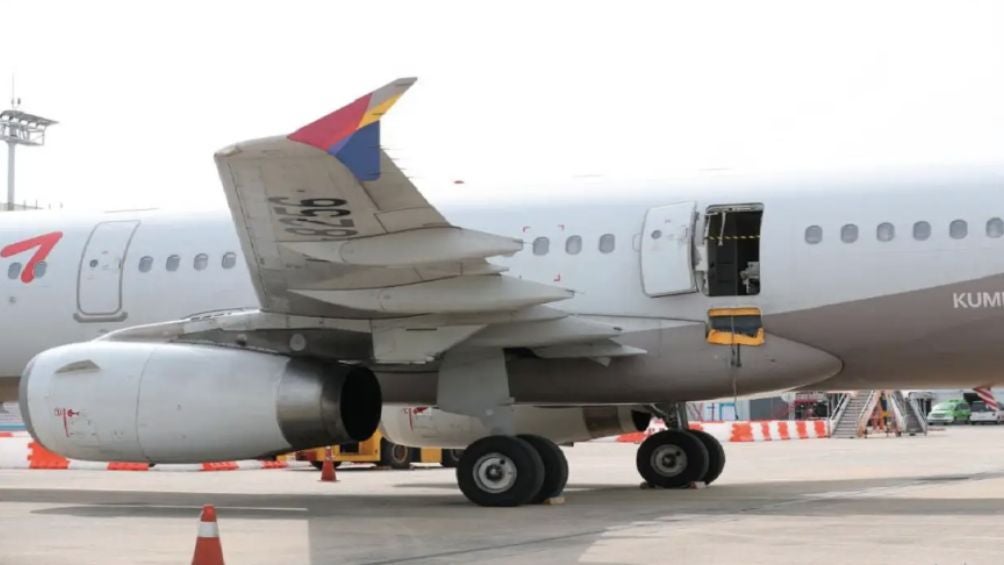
(180, 403)
(425, 426)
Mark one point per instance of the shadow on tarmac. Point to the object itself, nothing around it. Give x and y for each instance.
(411, 526)
(843, 496)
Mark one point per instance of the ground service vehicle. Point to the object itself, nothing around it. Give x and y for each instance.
(378, 449)
(949, 412)
(982, 414)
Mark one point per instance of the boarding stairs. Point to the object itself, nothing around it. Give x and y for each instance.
(852, 413)
(907, 414)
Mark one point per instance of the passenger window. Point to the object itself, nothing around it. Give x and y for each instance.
(885, 231)
(573, 245)
(145, 264)
(201, 262)
(958, 229)
(921, 231)
(14, 270)
(607, 243)
(849, 233)
(229, 260)
(173, 262)
(995, 227)
(541, 246)
(813, 235)
(40, 269)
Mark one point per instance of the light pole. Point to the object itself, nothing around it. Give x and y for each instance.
(20, 128)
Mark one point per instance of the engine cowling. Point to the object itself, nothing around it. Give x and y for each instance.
(179, 403)
(425, 426)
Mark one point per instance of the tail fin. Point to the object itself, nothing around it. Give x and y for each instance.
(352, 133)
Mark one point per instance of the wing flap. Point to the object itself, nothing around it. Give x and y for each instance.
(409, 248)
(591, 350)
(452, 295)
(547, 332)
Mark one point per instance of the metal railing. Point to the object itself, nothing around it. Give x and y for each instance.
(904, 409)
(838, 412)
(866, 413)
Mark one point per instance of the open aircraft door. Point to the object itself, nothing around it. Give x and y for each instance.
(667, 249)
(99, 280)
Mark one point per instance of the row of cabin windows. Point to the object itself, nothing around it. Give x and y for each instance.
(573, 244)
(14, 270)
(199, 263)
(957, 229)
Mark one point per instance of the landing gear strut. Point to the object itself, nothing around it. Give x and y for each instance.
(511, 471)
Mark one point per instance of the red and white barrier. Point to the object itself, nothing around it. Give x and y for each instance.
(20, 451)
(770, 430)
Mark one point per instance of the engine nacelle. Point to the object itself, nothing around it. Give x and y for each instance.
(178, 403)
(425, 426)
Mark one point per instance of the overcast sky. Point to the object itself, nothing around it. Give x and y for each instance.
(511, 95)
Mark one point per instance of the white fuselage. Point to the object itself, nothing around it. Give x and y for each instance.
(93, 283)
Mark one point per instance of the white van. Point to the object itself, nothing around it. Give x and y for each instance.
(980, 413)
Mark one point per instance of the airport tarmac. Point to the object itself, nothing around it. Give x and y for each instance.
(936, 499)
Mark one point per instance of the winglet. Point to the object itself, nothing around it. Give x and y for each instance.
(352, 134)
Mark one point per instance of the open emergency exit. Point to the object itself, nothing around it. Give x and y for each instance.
(732, 249)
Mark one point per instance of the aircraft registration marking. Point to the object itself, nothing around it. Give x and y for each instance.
(321, 217)
(44, 244)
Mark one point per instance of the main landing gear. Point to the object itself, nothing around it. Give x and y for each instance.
(512, 470)
(679, 458)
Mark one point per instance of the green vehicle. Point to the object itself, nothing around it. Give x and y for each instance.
(949, 412)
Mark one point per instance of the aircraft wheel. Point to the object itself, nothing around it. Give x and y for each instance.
(672, 459)
(394, 456)
(555, 467)
(716, 455)
(500, 471)
(450, 458)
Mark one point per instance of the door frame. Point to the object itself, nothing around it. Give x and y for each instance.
(119, 314)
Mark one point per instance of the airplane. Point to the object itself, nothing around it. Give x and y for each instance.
(333, 288)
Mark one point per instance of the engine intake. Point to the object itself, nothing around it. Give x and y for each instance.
(179, 403)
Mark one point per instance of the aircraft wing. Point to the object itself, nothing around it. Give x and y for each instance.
(331, 227)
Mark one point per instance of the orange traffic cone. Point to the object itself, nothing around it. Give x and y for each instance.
(208, 550)
(328, 468)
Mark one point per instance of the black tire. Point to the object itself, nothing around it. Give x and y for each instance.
(521, 468)
(450, 458)
(672, 459)
(395, 456)
(555, 467)
(716, 455)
